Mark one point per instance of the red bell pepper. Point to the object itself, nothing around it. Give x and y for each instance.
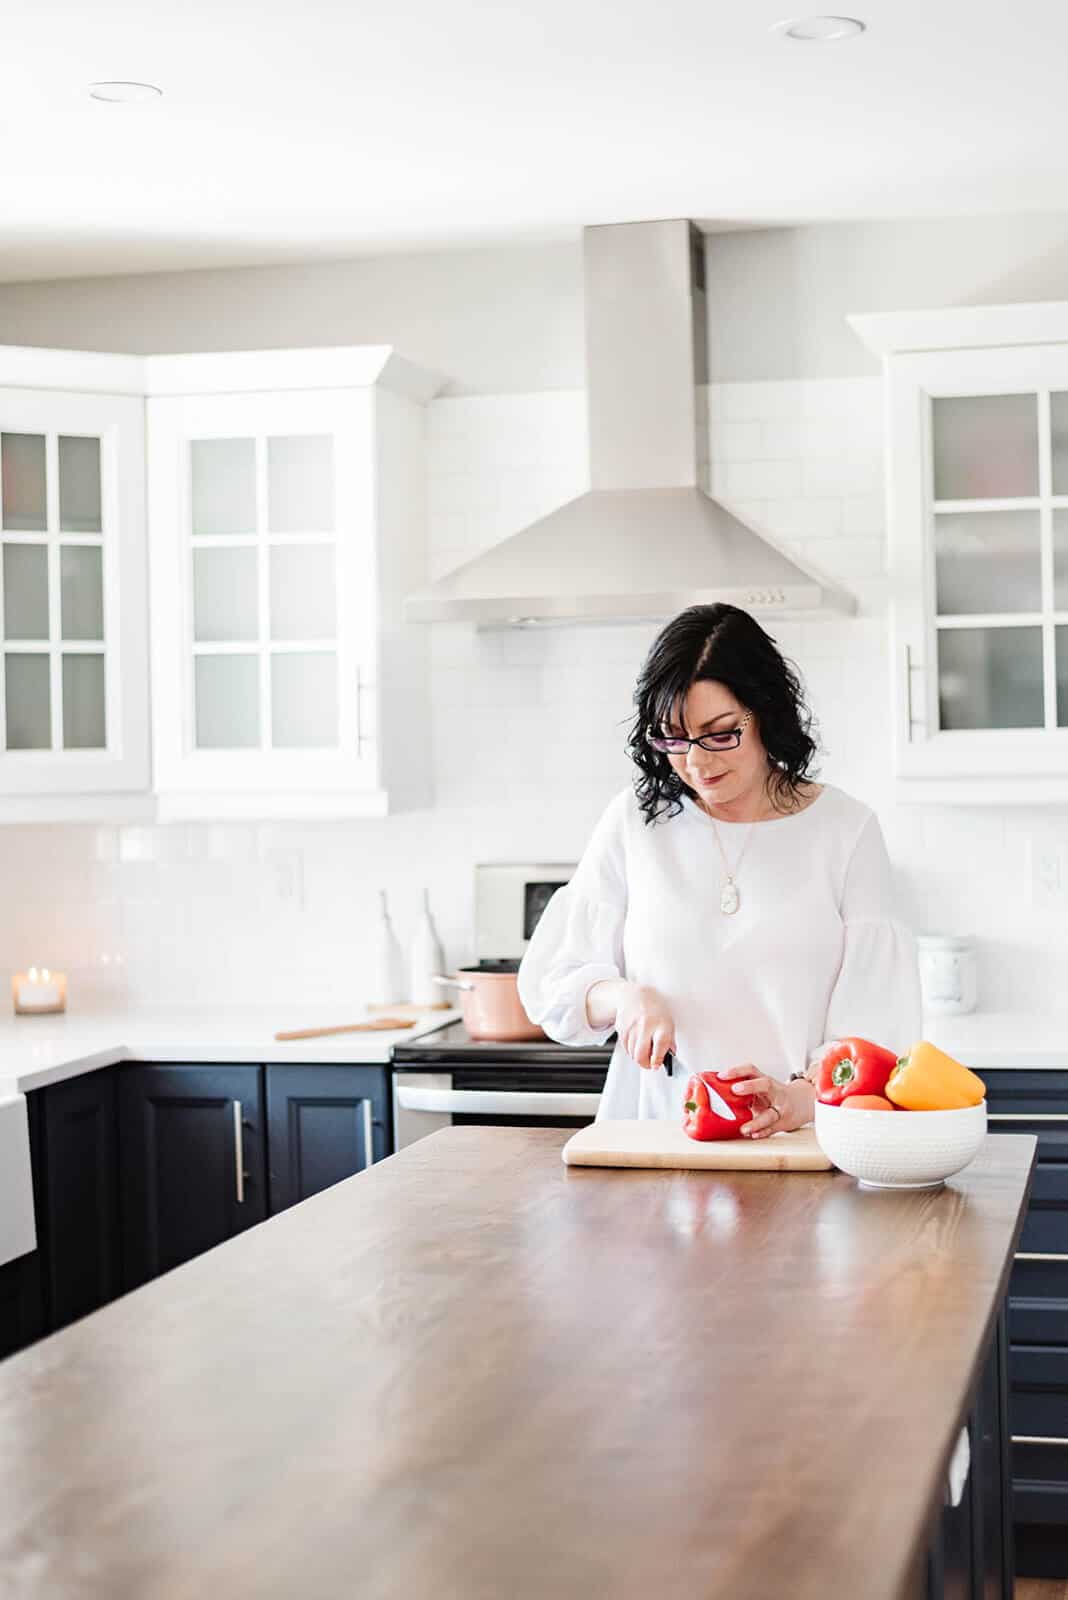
(852, 1066)
(712, 1110)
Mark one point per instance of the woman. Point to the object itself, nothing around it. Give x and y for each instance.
(727, 908)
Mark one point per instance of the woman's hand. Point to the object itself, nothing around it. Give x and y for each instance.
(777, 1107)
(645, 1025)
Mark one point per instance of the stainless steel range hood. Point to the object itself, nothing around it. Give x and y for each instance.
(645, 540)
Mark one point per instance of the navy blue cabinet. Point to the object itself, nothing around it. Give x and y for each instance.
(138, 1168)
(193, 1162)
(323, 1124)
(1036, 1102)
(76, 1194)
(21, 1303)
(971, 1552)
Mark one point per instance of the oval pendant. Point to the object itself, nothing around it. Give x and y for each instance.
(728, 900)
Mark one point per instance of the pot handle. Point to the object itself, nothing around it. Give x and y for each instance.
(452, 983)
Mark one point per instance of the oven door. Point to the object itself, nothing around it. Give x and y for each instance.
(502, 1097)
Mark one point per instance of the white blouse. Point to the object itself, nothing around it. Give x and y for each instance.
(814, 951)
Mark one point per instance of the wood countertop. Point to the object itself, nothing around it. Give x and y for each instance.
(474, 1374)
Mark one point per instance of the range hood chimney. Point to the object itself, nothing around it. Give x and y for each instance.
(645, 541)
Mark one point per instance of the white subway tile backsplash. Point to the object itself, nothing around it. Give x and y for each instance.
(763, 480)
(847, 558)
(801, 518)
(848, 473)
(756, 402)
(864, 514)
(527, 742)
(738, 441)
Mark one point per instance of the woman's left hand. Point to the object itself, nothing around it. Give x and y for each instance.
(777, 1107)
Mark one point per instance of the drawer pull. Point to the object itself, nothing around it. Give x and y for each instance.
(1034, 1438)
(1027, 1116)
(1039, 1255)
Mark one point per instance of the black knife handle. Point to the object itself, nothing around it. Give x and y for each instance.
(668, 1063)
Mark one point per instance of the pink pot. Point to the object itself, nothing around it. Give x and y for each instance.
(490, 1003)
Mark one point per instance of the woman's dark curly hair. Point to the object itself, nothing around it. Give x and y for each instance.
(728, 646)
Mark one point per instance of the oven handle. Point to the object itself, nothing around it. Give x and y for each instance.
(497, 1102)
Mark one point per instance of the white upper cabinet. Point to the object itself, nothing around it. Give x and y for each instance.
(287, 521)
(977, 485)
(74, 729)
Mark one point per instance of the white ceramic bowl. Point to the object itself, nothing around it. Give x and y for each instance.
(900, 1149)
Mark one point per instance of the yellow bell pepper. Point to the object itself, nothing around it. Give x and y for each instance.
(928, 1080)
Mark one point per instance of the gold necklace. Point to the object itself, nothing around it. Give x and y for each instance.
(729, 898)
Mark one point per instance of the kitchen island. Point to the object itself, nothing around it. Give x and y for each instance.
(472, 1372)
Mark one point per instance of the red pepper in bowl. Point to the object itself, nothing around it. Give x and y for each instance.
(708, 1113)
(852, 1066)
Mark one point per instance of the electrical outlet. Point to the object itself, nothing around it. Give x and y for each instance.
(286, 877)
(1049, 874)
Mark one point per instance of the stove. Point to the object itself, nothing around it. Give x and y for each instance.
(452, 1045)
(447, 1078)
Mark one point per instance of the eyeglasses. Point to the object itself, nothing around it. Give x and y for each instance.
(678, 745)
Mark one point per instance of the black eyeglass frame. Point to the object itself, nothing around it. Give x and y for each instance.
(660, 741)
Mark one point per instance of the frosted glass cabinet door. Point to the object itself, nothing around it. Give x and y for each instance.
(25, 571)
(990, 678)
(985, 447)
(987, 561)
(222, 478)
(227, 692)
(303, 591)
(225, 594)
(81, 578)
(84, 722)
(23, 494)
(300, 483)
(304, 700)
(79, 486)
(28, 702)
(74, 728)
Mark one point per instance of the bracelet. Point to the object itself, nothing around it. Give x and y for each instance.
(795, 1075)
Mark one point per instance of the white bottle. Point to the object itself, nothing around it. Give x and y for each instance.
(387, 972)
(426, 959)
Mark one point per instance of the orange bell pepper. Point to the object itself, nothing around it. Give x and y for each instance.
(928, 1080)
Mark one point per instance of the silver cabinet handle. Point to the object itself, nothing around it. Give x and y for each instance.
(1027, 1116)
(1035, 1438)
(913, 722)
(368, 1133)
(1038, 1255)
(239, 1165)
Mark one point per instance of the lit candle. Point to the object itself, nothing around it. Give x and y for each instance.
(39, 990)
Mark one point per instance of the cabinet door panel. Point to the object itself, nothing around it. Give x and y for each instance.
(77, 1195)
(322, 1121)
(1038, 1402)
(74, 619)
(193, 1163)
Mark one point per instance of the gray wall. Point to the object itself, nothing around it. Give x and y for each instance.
(510, 320)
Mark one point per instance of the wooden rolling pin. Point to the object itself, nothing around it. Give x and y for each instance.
(379, 1025)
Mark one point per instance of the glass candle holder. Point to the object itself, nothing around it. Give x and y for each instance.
(39, 990)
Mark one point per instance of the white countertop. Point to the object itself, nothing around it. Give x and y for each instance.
(35, 1051)
(985, 1039)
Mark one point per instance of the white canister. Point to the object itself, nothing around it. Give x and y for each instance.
(948, 976)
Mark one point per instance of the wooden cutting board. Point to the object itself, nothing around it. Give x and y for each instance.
(652, 1143)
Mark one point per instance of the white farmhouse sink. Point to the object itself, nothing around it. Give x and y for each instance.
(17, 1231)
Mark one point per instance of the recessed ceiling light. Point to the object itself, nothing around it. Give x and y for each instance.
(119, 91)
(820, 30)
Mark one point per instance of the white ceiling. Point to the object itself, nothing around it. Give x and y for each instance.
(305, 129)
